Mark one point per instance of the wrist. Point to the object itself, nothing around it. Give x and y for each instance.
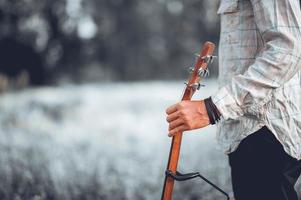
(212, 111)
(203, 112)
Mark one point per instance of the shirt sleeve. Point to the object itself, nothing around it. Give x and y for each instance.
(278, 22)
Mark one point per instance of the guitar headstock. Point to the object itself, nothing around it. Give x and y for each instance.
(199, 70)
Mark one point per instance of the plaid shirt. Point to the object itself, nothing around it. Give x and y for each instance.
(260, 76)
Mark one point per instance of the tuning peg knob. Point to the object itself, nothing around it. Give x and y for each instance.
(207, 73)
(209, 59)
(203, 72)
(197, 86)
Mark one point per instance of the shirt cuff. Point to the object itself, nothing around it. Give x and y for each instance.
(226, 104)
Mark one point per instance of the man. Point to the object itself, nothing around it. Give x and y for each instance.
(259, 100)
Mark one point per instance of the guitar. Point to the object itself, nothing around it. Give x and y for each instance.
(199, 71)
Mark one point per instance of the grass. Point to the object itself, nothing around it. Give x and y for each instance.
(100, 142)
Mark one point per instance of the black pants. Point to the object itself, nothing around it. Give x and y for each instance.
(261, 170)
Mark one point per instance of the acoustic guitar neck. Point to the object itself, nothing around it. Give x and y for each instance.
(197, 72)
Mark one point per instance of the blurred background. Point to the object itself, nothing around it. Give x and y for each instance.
(80, 41)
(84, 87)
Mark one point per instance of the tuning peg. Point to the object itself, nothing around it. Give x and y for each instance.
(203, 72)
(212, 58)
(197, 86)
(209, 58)
(207, 73)
(190, 70)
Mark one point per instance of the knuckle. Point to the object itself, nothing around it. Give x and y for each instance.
(183, 102)
(182, 112)
(180, 105)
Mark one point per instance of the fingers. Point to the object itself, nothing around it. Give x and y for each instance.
(171, 109)
(175, 123)
(172, 116)
(176, 130)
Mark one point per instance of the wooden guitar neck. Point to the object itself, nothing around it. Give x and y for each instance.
(199, 70)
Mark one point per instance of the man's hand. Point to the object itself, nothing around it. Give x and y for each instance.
(186, 115)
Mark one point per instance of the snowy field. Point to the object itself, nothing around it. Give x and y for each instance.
(106, 141)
